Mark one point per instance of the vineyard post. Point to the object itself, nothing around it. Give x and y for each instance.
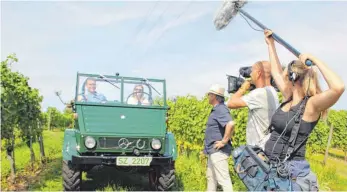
(49, 120)
(11, 157)
(329, 141)
(42, 149)
(32, 154)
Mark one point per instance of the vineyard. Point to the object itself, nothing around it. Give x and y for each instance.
(31, 143)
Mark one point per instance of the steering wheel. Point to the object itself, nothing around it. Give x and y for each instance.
(149, 96)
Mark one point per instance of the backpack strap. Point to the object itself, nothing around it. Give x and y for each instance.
(297, 121)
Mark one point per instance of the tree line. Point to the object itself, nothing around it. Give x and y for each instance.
(21, 114)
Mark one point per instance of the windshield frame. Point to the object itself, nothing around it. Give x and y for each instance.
(123, 80)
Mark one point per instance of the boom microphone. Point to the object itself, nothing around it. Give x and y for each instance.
(230, 9)
(227, 12)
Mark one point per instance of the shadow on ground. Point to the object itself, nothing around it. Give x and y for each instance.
(337, 156)
(100, 178)
(178, 186)
(110, 178)
(49, 178)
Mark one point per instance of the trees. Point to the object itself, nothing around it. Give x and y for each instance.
(187, 119)
(20, 109)
(338, 119)
(53, 118)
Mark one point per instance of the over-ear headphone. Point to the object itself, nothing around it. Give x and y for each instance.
(292, 76)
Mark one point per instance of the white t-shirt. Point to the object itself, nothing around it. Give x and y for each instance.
(262, 104)
(134, 101)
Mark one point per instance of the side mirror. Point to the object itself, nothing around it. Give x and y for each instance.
(58, 93)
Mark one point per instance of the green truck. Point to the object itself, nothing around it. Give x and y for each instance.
(119, 122)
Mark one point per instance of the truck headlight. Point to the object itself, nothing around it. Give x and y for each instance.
(156, 144)
(89, 142)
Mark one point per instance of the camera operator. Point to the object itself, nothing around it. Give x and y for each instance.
(261, 102)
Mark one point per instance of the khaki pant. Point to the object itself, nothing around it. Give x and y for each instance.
(218, 172)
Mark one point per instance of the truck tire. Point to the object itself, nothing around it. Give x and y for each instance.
(72, 177)
(162, 178)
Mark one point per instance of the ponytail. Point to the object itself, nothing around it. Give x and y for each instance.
(311, 86)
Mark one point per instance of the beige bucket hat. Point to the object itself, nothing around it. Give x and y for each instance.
(217, 90)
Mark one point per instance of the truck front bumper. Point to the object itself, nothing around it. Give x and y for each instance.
(111, 160)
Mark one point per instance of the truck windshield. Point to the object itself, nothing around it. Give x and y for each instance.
(103, 89)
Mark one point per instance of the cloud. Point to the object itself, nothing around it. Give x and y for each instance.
(177, 15)
(98, 16)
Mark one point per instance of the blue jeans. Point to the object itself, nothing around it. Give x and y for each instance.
(303, 179)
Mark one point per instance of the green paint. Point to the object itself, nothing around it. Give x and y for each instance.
(171, 146)
(70, 144)
(122, 120)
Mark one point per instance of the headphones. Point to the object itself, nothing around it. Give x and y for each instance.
(292, 76)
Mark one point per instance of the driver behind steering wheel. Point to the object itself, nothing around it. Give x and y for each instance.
(137, 97)
(89, 92)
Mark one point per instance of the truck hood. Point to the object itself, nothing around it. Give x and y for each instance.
(131, 121)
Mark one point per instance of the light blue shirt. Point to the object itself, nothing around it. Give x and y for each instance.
(93, 97)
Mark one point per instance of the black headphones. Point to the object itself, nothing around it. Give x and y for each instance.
(292, 76)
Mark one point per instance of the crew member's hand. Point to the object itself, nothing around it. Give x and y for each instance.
(268, 38)
(246, 85)
(303, 57)
(218, 144)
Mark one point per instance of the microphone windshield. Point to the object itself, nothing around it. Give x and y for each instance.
(227, 12)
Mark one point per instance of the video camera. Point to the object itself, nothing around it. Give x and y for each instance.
(234, 83)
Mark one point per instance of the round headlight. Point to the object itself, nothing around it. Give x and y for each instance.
(156, 144)
(89, 142)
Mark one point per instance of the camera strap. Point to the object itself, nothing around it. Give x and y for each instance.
(295, 130)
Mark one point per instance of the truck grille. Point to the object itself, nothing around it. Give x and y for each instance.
(124, 143)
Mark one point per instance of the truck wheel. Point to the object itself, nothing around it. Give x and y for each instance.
(72, 177)
(162, 178)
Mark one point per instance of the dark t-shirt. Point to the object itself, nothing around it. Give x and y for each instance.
(215, 129)
(279, 122)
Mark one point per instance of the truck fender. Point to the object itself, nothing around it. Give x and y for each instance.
(170, 146)
(70, 145)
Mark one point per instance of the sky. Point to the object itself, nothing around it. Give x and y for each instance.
(172, 40)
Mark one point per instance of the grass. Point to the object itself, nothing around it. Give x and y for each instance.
(52, 141)
(190, 171)
(333, 176)
(337, 154)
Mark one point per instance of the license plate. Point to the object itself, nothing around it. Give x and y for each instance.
(133, 161)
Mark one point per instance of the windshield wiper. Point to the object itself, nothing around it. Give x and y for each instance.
(147, 82)
(104, 78)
